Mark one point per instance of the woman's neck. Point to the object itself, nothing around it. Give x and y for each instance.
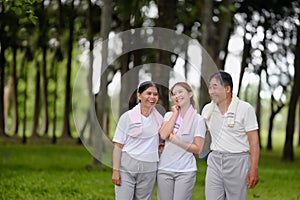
(145, 111)
(184, 109)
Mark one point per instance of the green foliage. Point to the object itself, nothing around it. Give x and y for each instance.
(23, 8)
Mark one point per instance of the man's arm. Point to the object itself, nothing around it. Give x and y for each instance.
(252, 178)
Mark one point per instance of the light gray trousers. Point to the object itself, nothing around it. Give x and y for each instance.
(175, 185)
(226, 176)
(137, 179)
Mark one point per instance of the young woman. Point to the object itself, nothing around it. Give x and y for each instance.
(184, 132)
(136, 142)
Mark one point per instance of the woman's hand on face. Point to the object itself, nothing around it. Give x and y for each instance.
(175, 108)
(116, 178)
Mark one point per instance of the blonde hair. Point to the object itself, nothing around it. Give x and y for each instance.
(187, 87)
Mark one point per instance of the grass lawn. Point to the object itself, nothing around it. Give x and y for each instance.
(58, 172)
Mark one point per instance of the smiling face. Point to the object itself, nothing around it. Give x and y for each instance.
(181, 96)
(148, 97)
(217, 91)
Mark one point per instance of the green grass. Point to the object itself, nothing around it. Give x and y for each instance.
(58, 172)
(278, 180)
(51, 172)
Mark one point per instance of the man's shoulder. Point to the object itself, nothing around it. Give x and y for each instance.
(207, 106)
(244, 105)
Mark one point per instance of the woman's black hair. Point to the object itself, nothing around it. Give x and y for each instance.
(145, 85)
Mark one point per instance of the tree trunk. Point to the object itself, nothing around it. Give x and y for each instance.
(54, 110)
(288, 151)
(36, 111)
(223, 62)
(258, 107)
(2, 76)
(167, 17)
(45, 93)
(214, 39)
(93, 138)
(58, 57)
(24, 92)
(224, 29)
(126, 83)
(98, 102)
(15, 93)
(137, 60)
(269, 143)
(263, 67)
(274, 112)
(244, 63)
(205, 8)
(3, 47)
(299, 124)
(66, 132)
(271, 119)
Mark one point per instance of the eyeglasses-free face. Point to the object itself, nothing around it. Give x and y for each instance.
(148, 97)
(180, 95)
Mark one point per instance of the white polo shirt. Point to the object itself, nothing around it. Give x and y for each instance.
(176, 159)
(231, 139)
(143, 147)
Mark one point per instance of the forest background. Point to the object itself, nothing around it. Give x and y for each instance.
(49, 51)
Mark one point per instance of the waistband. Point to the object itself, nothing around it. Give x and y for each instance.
(129, 164)
(220, 153)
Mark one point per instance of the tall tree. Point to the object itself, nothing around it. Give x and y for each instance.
(125, 13)
(43, 44)
(11, 11)
(15, 89)
(288, 151)
(275, 109)
(262, 68)
(37, 94)
(41, 71)
(3, 47)
(2, 76)
(66, 131)
(270, 17)
(207, 31)
(216, 27)
(98, 102)
(278, 79)
(299, 123)
(58, 57)
(28, 56)
(167, 19)
(245, 59)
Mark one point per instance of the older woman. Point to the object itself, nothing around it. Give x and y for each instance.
(136, 142)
